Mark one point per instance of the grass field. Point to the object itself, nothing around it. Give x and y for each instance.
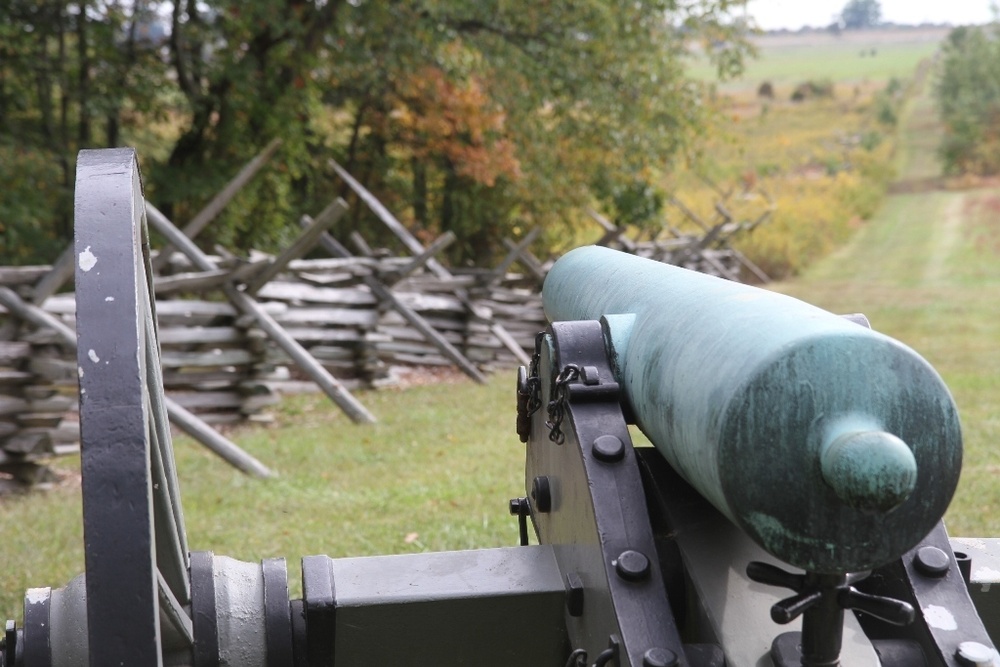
(823, 162)
(926, 270)
(857, 57)
(436, 471)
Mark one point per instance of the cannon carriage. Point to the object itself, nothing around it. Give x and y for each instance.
(792, 449)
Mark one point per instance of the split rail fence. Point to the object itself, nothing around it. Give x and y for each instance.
(236, 333)
(355, 316)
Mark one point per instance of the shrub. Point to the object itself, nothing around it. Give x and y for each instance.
(813, 89)
(34, 204)
(968, 96)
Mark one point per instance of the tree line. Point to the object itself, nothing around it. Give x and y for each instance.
(482, 117)
(968, 97)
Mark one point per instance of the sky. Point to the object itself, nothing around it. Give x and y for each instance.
(793, 14)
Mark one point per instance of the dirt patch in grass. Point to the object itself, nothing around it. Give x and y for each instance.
(404, 377)
(953, 184)
(915, 185)
(985, 210)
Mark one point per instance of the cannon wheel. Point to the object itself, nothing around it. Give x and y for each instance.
(137, 565)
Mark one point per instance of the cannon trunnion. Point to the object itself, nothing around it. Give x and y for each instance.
(789, 449)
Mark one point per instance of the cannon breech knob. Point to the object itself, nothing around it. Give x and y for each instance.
(821, 600)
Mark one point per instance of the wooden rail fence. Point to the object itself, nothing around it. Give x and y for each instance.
(237, 332)
(218, 362)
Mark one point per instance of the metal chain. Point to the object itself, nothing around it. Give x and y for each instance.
(557, 406)
(534, 382)
(577, 658)
(605, 657)
(536, 358)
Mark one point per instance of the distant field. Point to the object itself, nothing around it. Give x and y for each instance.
(824, 162)
(926, 270)
(869, 56)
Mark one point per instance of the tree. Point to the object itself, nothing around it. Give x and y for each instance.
(859, 14)
(477, 116)
(72, 75)
(968, 97)
(583, 100)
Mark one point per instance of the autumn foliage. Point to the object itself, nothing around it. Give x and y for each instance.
(455, 122)
(479, 117)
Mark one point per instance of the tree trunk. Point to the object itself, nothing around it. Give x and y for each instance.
(64, 91)
(3, 87)
(43, 89)
(419, 197)
(449, 212)
(112, 128)
(65, 160)
(83, 83)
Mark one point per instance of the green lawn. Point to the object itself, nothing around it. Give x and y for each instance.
(788, 60)
(926, 270)
(435, 473)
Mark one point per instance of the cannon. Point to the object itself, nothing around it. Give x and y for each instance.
(788, 448)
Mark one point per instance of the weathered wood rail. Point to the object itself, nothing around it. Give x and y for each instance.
(710, 250)
(332, 307)
(236, 332)
(359, 317)
(220, 365)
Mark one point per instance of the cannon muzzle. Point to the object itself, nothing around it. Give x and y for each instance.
(835, 447)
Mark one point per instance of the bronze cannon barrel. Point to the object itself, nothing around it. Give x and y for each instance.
(835, 447)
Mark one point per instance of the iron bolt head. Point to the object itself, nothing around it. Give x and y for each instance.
(659, 657)
(541, 493)
(976, 655)
(932, 561)
(608, 448)
(632, 565)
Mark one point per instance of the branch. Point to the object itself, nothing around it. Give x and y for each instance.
(474, 26)
(184, 79)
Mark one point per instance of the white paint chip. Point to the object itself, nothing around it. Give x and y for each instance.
(87, 260)
(36, 595)
(940, 618)
(109, 298)
(79, 371)
(93, 356)
(986, 576)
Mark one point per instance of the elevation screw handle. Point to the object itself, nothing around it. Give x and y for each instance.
(890, 610)
(810, 593)
(771, 575)
(791, 608)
